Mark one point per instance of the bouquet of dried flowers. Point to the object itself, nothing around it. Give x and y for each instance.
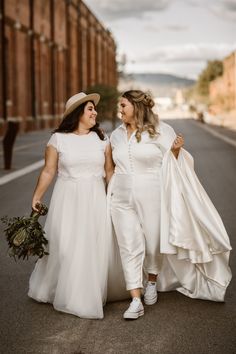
(25, 235)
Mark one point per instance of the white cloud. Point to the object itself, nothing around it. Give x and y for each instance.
(229, 4)
(120, 9)
(113, 10)
(188, 53)
(225, 9)
(171, 28)
(176, 36)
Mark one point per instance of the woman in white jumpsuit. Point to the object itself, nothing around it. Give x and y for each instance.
(137, 148)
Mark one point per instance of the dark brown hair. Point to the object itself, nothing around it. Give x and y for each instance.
(71, 121)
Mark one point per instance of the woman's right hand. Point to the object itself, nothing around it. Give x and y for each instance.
(34, 203)
(46, 176)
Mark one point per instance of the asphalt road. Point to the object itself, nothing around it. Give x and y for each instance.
(175, 325)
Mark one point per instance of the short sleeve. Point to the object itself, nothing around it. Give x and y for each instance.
(106, 142)
(115, 136)
(111, 137)
(53, 141)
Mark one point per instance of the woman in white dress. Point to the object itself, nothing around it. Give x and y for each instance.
(164, 222)
(74, 275)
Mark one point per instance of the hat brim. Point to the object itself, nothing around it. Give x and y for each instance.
(94, 97)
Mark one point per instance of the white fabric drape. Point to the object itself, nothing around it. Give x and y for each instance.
(193, 237)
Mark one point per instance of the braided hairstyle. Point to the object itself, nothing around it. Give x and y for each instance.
(145, 118)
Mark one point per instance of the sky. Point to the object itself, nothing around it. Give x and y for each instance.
(169, 36)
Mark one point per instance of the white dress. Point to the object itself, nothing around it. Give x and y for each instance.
(73, 277)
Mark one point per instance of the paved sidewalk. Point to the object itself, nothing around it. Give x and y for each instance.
(230, 133)
(226, 120)
(223, 133)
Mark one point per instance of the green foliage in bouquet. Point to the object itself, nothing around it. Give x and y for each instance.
(25, 235)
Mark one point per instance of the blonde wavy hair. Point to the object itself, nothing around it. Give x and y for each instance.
(145, 118)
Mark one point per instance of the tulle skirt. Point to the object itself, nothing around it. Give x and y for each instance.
(74, 275)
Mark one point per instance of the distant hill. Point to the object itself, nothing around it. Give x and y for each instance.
(163, 79)
(159, 84)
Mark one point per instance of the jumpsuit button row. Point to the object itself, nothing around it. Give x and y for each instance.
(130, 159)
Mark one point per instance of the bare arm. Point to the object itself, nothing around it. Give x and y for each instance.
(46, 176)
(178, 143)
(109, 164)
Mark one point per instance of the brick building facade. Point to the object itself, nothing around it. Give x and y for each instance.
(49, 50)
(223, 88)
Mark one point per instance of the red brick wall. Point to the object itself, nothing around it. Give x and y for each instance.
(66, 51)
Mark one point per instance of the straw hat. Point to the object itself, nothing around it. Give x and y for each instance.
(79, 98)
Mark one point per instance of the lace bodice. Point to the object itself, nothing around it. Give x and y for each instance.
(79, 155)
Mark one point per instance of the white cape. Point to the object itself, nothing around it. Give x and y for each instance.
(194, 242)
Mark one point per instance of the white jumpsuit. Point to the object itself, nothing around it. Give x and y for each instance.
(164, 220)
(135, 202)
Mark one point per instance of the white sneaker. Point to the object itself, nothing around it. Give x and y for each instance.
(135, 310)
(150, 294)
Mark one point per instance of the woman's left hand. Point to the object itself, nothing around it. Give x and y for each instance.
(178, 143)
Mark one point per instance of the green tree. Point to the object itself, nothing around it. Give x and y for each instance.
(213, 69)
(107, 107)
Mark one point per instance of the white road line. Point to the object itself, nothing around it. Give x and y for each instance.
(217, 134)
(24, 171)
(23, 147)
